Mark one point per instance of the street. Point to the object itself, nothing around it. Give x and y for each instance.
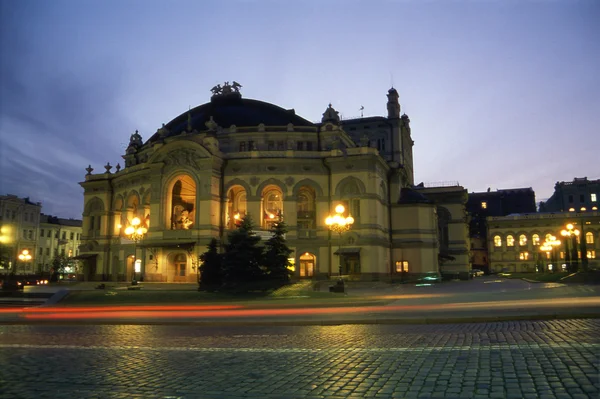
(521, 359)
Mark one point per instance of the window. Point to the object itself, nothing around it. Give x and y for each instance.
(48, 251)
(402, 266)
(591, 254)
(535, 239)
(300, 146)
(64, 235)
(581, 198)
(270, 145)
(26, 216)
(589, 238)
(280, 146)
(24, 233)
(30, 234)
(522, 240)
(510, 241)
(182, 270)
(41, 251)
(524, 255)
(570, 199)
(57, 232)
(72, 235)
(483, 205)
(49, 233)
(70, 253)
(41, 232)
(309, 146)
(593, 197)
(251, 146)
(242, 146)
(497, 241)
(562, 255)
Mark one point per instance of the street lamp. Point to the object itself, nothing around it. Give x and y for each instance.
(135, 231)
(548, 247)
(24, 256)
(571, 234)
(339, 224)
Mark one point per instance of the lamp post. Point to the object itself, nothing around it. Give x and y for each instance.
(339, 224)
(571, 234)
(549, 247)
(24, 256)
(135, 231)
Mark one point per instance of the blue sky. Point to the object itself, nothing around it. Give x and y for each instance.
(500, 94)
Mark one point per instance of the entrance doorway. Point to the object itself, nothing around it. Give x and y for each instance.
(178, 269)
(351, 264)
(307, 265)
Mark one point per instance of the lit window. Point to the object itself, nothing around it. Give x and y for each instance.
(535, 239)
(402, 266)
(483, 205)
(589, 238)
(548, 255)
(549, 237)
(594, 199)
(522, 240)
(562, 255)
(591, 254)
(510, 241)
(524, 255)
(497, 241)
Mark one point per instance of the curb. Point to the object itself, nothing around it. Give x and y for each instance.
(323, 323)
(56, 298)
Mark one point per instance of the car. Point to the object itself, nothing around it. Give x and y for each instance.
(477, 272)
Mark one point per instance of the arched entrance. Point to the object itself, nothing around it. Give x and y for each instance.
(177, 268)
(308, 263)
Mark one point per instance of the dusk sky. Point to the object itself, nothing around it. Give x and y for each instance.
(501, 94)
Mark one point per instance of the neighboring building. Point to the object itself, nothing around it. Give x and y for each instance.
(482, 205)
(19, 223)
(58, 237)
(198, 174)
(453, 230)
(578, 195)
(515, 241)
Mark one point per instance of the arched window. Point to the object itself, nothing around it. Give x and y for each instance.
(497, 241)
(183, 203)
(272, 206)
(535, 239)
(510, 241)
(522, 240)
(180, 262)
(589, 237)
(236, 207)
(305, 202)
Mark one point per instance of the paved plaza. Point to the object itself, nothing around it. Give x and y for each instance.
(525, 359)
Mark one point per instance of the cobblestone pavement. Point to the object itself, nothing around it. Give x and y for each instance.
(525, 359)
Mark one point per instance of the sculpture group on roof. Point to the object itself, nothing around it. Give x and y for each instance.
(226, 88)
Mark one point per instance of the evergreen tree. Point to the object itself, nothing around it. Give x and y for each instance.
(243, 257)
(211, 270)
(276, 255)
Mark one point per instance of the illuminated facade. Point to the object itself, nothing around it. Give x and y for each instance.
(57, 237)
(19, 221)
(199, 174)
(516, 242)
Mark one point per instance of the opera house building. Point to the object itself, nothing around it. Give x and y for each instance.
(199, 174)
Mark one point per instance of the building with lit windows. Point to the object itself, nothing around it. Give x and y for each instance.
(579, 195)
(482, 205)
(199, 174)
(535, 242)
(57, 237)
(19, 221)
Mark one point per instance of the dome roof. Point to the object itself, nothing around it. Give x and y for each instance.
(233, 110)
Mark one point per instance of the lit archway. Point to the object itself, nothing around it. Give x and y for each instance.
(272, 206)
(236, 206)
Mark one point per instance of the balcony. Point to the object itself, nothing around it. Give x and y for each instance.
(306, 233)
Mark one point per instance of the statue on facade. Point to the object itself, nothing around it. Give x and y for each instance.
(226, 89)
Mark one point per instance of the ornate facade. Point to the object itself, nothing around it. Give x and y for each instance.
(199, 174)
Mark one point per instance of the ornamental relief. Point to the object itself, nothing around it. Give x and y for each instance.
(184, 157)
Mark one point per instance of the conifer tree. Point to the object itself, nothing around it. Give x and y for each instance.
(243, 257)
(276, 255)
(211, 270)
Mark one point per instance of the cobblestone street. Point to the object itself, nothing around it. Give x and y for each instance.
(552, 359)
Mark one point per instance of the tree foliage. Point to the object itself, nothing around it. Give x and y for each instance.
(276, 254)
(243, 257)
(211, 270)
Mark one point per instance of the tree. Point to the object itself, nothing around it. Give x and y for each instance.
(243, 257)
(211, 270)
(58, 265)
(276, 255)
